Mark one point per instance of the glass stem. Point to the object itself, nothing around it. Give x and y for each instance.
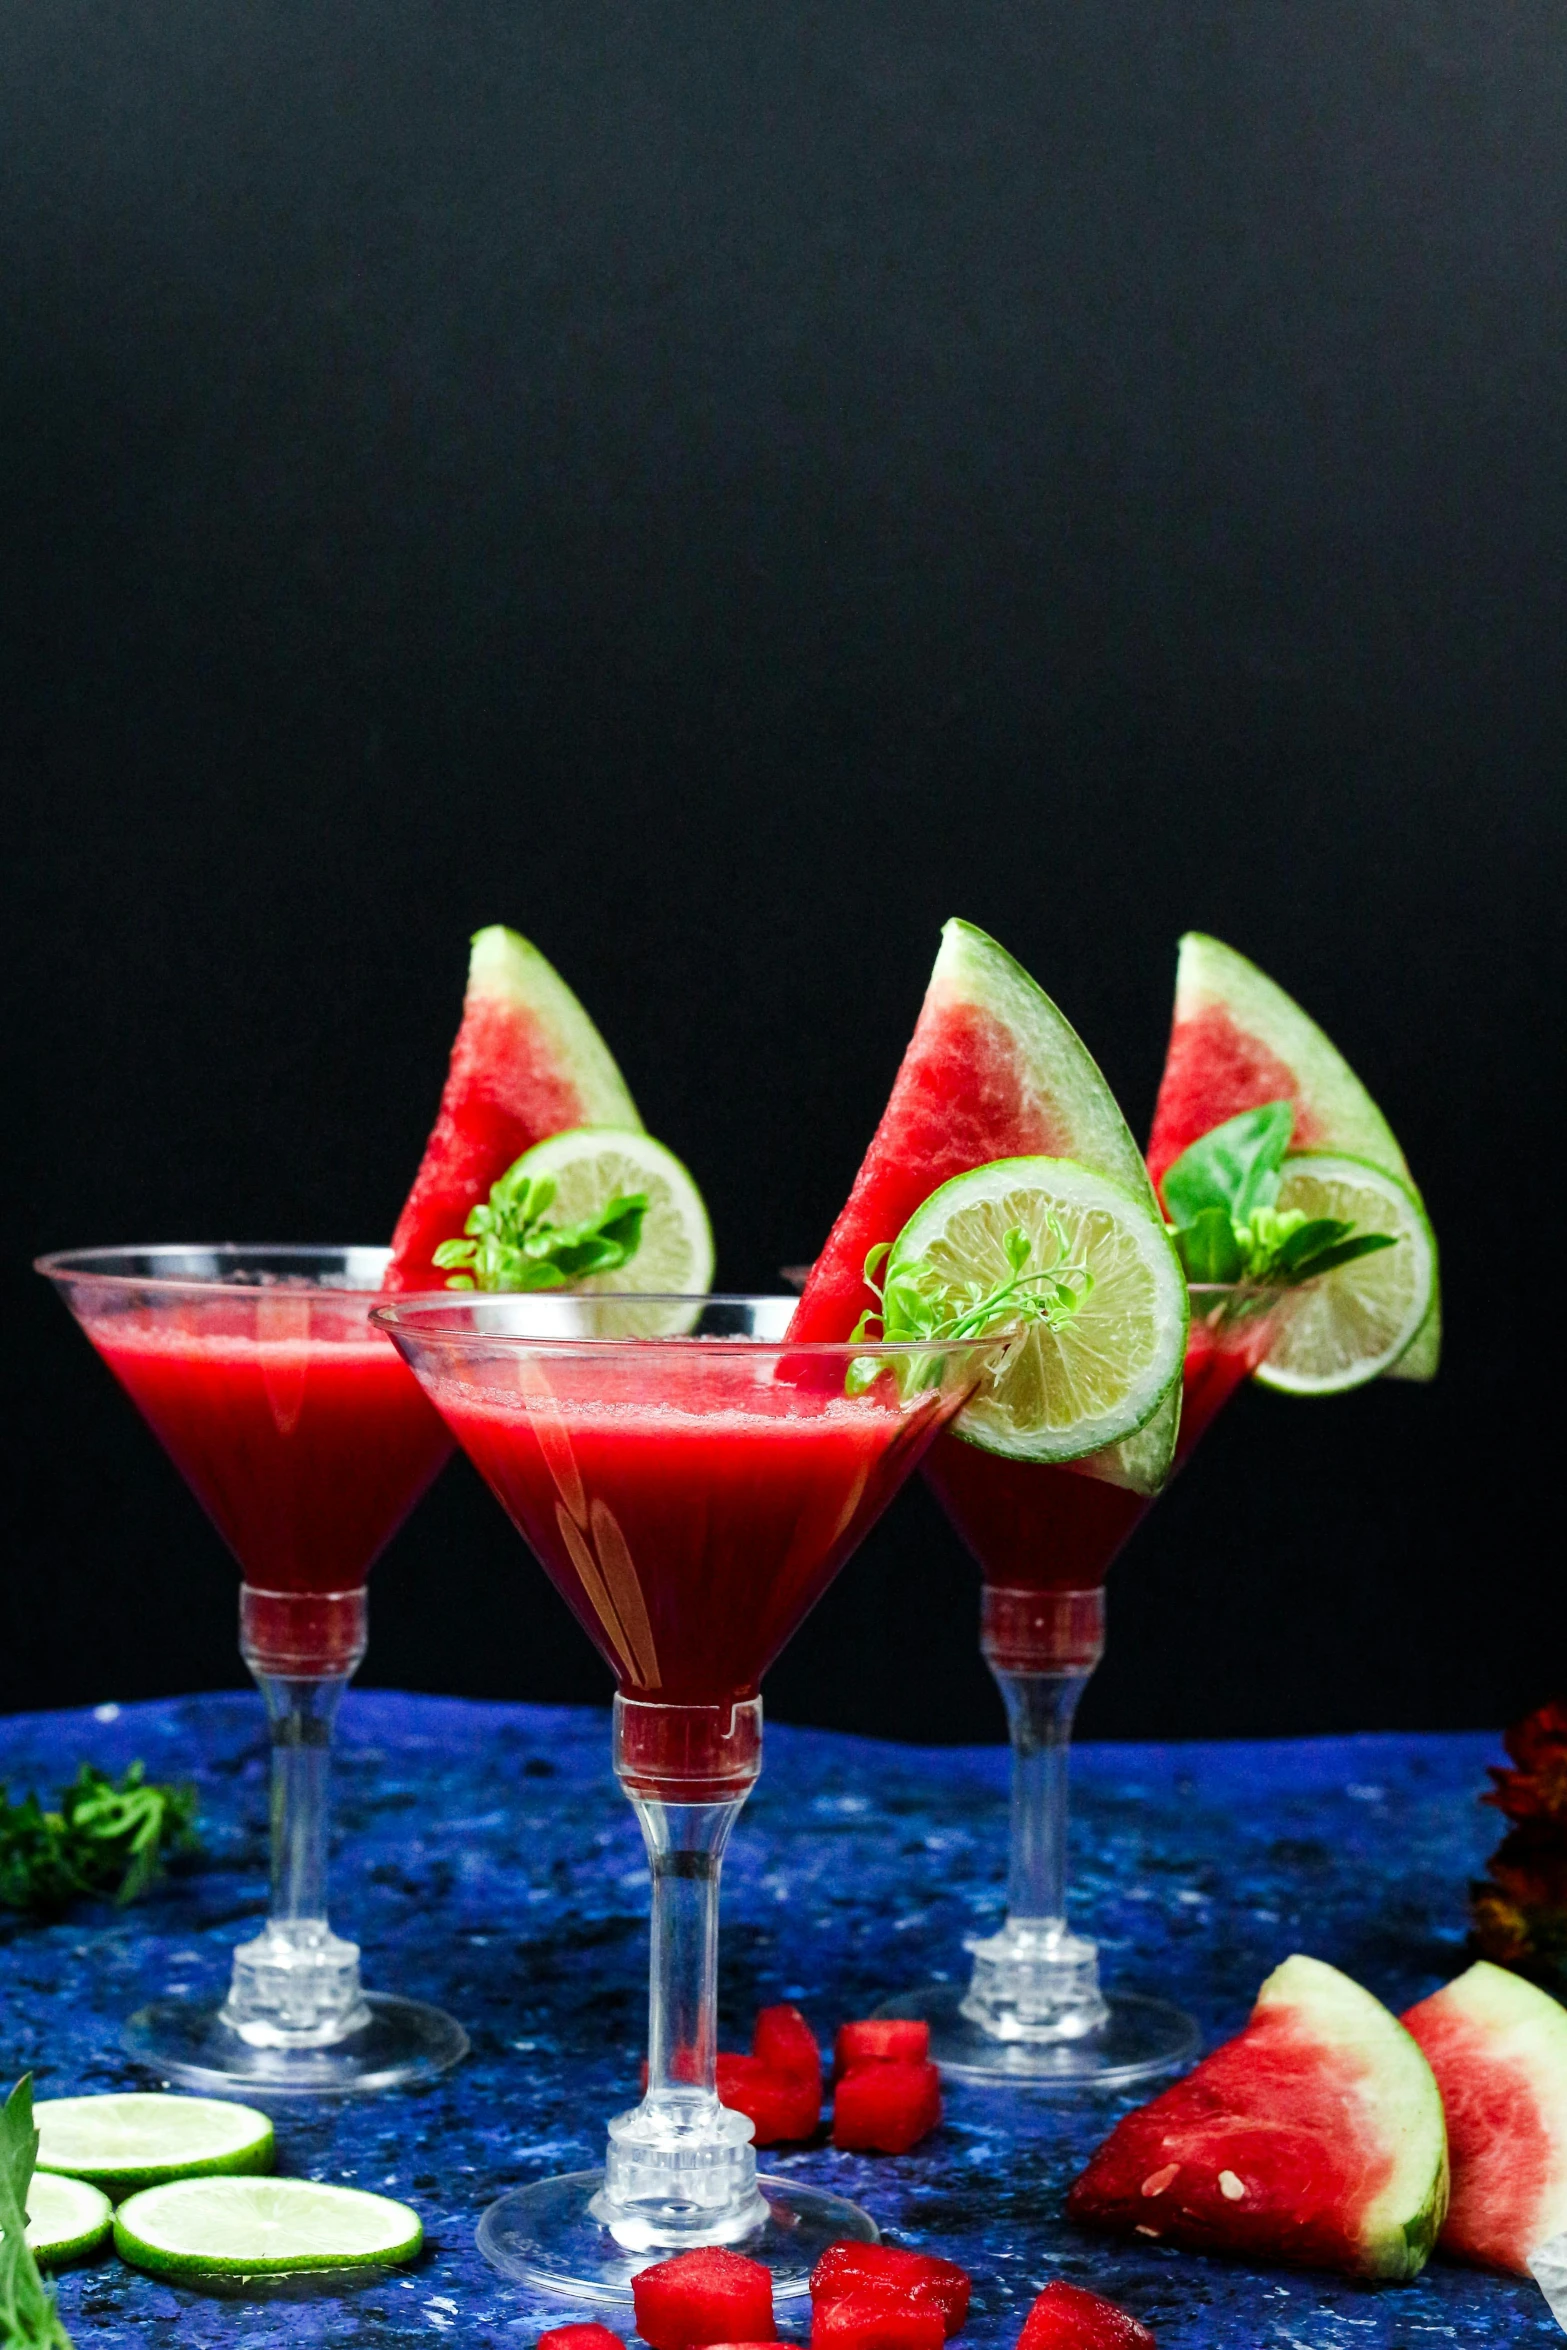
(1035, 1980)
(680, 2169)
(297, 1984)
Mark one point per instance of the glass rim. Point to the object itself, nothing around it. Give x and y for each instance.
(417, 1315)
(105, 1267)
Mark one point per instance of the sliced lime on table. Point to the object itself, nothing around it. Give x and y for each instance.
(1104, 1372)
(66, 2219)
(262, 2227)
(140, 2140)
(1352, 1325)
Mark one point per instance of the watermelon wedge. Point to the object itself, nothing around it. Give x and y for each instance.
(1315, 2138)
(528, 1062)
(993, 1071)
(1498, 2048)
(1238, 1041)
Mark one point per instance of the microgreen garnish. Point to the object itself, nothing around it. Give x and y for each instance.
(1220, 1198)
(919, 1302)
(108, 1838)
(511, 1244)
(29, 2319)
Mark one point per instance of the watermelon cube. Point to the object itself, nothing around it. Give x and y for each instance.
(1066, 2318)
(704, 2297)
(918, 2279)
(880, 2040)
(589, 2337)
(873, 2321)
(784, 2041)
(780, 2107)
(886, 2108)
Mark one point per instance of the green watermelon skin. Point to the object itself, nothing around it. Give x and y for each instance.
(992, 1071)
(1236, 1041)
(1498, 2048)
(1315, 2138)
(528, 1062)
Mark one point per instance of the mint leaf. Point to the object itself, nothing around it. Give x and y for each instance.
(1234, 1166)
(509, 1242)
(28, 2317)
(1364, 1244)
(108, 1838)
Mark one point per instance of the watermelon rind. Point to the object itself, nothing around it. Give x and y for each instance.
(505, 965)
(1066, 1082)
(1210, 2163)
(1498, 2048)
(1398, 2103)
(1334, 1110)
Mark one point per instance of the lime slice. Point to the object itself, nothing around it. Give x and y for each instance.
(591, 1165)
(66, 2219)
(1061, 1394)
(262, 2227)
(124, 2143)
(1354, 1324)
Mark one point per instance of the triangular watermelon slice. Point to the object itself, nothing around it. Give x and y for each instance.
(528, 1062)
(993, 1071)
(1498, 2048)
(1237, 1041)
(1315, 2138)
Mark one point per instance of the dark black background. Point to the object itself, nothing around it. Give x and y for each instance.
(721, 488)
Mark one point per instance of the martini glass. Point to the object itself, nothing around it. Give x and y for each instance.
(307, 1443)
(1044, 1538)
(691, 1483)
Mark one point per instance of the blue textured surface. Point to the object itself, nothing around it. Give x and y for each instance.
(486, 1861)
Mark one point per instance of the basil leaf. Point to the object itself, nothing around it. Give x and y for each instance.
(1234, 1167)
(1208, 1248)
(1344, 1253)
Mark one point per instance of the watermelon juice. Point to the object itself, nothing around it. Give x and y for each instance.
(689, 1526)
(301, 1433)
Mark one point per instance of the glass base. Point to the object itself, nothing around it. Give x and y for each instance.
(1140, 2039)
(402, 2044)
(547, 2236)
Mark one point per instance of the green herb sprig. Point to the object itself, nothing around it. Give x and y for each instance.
(1220, 1197)
(108, 1838)
(919, 1302)
(29, 2319)
(510, 1243)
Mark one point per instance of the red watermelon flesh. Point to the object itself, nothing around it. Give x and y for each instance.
(1498, 2048)
(527, 1062)
(993, 1071)
(1065, 2317)
(1315, 2138)
(1237, 1041)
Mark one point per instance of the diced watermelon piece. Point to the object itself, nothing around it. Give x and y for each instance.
(895, 2274)
(784, 2040)
(587, 2337)
(704, 2297)
(880, 2040)
(1065, 2317)
(1498, 2048)
(780, 2108)
(527, 1062)
(886, 2108)
(1315, 2137)
(875, 2321)
(993, 1071)
(1238, 1041)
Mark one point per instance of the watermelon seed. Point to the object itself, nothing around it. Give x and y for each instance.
(1158, 2180)
(1230, 2187)
(1154, 2232)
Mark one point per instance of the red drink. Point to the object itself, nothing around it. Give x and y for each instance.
(1041, 1529)
(298, 1428)
(688, 1525)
